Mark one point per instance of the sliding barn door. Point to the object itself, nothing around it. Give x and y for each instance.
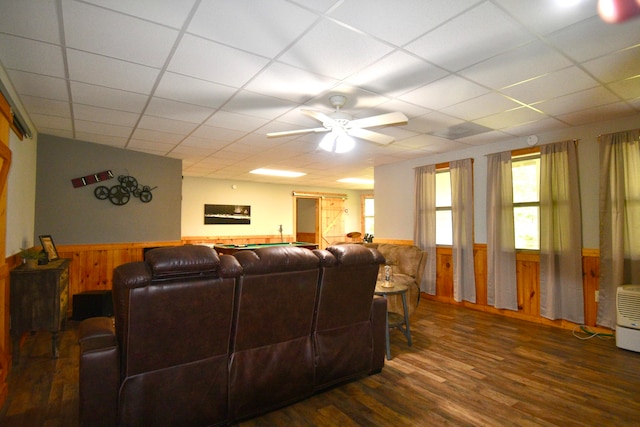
(332, 213)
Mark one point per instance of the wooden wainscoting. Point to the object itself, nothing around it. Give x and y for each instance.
(91, 267)
(528, 283)
(236, 240)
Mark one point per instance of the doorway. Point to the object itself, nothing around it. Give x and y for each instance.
(319, 218)
(307, 219)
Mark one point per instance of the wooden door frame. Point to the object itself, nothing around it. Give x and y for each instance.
(318, 229)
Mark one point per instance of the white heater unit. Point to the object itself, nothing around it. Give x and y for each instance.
(628, 317)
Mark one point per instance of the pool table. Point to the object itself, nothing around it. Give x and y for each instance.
(232, 249)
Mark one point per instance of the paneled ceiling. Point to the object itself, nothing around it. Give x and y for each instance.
(205, 80)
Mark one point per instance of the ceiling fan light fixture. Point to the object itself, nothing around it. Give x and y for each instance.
(337, 141)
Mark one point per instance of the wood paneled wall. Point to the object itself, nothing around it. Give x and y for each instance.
(237, 240)
(91, 267)
(528, 283)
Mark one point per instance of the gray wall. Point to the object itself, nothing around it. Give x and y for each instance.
(75, 216)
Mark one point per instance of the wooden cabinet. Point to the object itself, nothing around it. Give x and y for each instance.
(39, 300)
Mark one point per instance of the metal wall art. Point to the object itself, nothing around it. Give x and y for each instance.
(121, 193)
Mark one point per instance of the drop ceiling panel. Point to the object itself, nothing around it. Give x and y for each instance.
(603, 112)
(286, 82)
(104, 115)
(161, 148)
(548, 86)
(445, 92)
(102, 71)
(169, 109)
(412, 18)
(577, 101)
(532, 128)
(334, 51)
(517, 65)
(617, 66)
(106, 129)
(155, 135)
(396, 74)
(257, 105)
(54, 122)
(115, 35)
(241, 122)
(43, 58)
(480, 33)
(593, 38)
(105, 139)
(40, 86)
(217, 133)
(168, 12)
(193, 91)
(115, 99)
(546, 16)
(266, 28)
(33, 19)
(161, 124)
(46, 106)
(481, 106)
(507, 119)
(627, 89)
(214, 62)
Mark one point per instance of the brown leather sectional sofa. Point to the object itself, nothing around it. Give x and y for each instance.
(201, 339)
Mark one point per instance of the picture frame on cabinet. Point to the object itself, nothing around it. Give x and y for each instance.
(49, 247)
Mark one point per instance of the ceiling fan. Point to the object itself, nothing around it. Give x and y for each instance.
(340, 123)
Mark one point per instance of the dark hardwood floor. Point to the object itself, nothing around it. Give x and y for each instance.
(466, 368)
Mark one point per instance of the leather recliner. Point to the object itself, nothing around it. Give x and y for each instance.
(169, 363)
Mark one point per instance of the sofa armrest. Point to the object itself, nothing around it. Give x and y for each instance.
(378, 326)
(99, 372)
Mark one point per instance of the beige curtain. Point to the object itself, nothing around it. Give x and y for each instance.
(464, 279)
(502, 290)
(619, 218)
(561, 289)
(424, 230)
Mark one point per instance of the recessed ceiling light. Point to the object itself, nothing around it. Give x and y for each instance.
(356, 181)
(275, 172)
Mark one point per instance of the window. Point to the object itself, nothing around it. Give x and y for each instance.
(367, 214)
(526, 200)
(444, 221)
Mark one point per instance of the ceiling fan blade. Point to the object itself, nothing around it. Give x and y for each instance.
(376, 137)
(296, 132)
(380, 120)
(320, 116)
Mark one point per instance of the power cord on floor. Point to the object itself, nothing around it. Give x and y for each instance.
(590, 333)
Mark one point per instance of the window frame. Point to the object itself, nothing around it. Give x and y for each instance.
(519, 156)
(363, 215)
(444, 168)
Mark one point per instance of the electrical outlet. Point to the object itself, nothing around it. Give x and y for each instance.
(597, 295)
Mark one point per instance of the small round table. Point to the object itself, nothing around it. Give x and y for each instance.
(394, 320)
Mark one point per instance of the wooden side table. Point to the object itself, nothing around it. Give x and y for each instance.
(394, 320)
(39, 300)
